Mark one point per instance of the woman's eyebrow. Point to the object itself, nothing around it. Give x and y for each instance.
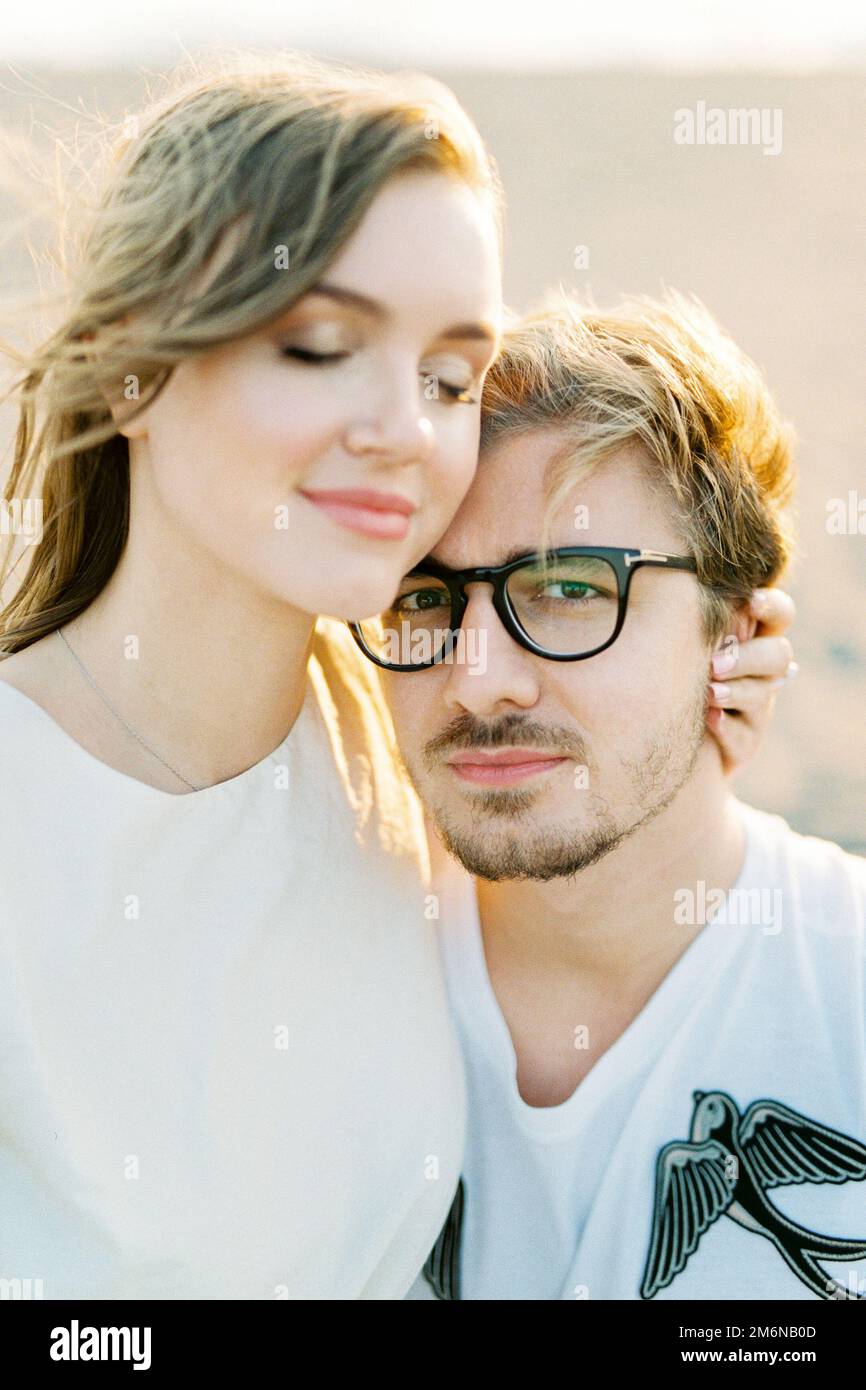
(352, 298)
(374, 307)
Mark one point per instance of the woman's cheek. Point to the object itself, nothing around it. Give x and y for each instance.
(441, 512)
(455, 473)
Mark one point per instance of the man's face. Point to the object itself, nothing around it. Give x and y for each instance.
(601, 745)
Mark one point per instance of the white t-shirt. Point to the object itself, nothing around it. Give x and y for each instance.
(767, 1006)
(227, 1067)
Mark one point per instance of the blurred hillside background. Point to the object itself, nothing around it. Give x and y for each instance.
(773, 244)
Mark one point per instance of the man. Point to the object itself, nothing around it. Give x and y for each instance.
(659, 990)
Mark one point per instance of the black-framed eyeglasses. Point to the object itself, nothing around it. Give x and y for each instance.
(565, 605)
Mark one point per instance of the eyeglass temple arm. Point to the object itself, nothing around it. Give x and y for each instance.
(658, 558)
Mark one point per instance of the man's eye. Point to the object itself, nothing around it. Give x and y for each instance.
(568, 589)
(421, 599)
(300, 354)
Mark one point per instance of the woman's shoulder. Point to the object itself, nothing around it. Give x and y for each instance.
(362, 738)
(29, 692)
(28, 743)
(33, 671)
(40, 716)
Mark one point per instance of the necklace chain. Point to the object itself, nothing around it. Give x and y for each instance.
(120, 719)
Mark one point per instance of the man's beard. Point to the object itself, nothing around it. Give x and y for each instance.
(514, 850)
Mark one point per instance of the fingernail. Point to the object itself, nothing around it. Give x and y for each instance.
(760, 599)
(721, 692)
(723, 662)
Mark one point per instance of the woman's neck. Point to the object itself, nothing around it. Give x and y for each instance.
(204, 668)
(211, 673)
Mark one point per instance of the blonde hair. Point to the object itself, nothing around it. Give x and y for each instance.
(660, 373)
(285, 148)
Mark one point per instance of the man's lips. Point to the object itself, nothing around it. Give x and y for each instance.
(384, 515)
(506, 766)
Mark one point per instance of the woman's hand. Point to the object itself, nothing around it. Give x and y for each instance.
(742, 695)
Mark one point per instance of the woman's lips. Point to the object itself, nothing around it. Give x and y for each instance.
(384, 515)
(502, 769)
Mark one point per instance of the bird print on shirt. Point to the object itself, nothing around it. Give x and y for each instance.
(726, 1168)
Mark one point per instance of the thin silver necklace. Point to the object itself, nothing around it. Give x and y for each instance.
(120, 719)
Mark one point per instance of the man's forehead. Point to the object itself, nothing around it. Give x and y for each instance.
(502, 516)
(489, 529)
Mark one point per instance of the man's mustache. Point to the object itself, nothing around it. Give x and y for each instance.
(468, 731)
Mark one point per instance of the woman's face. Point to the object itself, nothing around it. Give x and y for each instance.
(322, 457)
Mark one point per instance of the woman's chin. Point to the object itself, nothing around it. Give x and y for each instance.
(347, 603)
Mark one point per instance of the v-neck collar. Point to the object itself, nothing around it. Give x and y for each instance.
(643, 1036)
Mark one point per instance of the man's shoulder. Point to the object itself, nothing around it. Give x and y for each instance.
(814, 850)
(825, 882)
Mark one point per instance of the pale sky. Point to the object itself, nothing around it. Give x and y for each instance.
(789, 34)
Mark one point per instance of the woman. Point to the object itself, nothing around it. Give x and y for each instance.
(228, 1070)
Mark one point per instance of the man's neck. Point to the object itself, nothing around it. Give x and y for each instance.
(590, 951)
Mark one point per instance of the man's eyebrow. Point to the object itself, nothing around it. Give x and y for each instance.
(518, 552)
(484, 332)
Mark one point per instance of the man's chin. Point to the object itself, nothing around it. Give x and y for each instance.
(524, 851)
(534, 831)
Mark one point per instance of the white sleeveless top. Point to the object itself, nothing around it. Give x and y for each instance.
(227, 1068)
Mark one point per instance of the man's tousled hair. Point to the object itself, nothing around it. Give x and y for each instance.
(662, 374)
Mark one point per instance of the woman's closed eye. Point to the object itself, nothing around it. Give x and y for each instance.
(307, 355)
(463, 394)
(436, 384)
(433, 385)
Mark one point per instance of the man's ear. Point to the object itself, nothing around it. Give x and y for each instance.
(740, 626)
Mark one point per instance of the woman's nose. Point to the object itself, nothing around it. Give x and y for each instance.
(397, 431)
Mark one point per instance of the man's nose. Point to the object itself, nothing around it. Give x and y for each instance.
(490, 672)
